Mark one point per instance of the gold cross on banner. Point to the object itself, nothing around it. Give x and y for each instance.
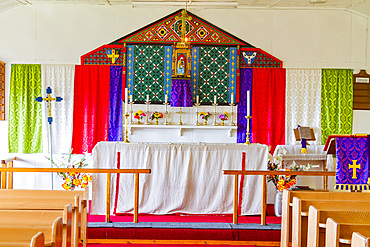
(354, 166)
(183, 19)
(112, 55)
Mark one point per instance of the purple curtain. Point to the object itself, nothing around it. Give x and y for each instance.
(246, 80)
(181, 93)
(115, 104)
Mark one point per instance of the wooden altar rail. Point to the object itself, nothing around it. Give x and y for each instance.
(263, 173)
(5, 170)
(7, 182)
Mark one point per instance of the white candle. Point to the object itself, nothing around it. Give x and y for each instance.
(248, 103)
(126, 99)
(232, 98)
(215, 99)
(197, 99)
(147, 98)
(130, 97)
(166, 98)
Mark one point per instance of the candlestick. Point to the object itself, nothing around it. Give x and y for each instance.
(197, 112)
(126, 100)
(215, 99)
(147, 110)
(166, 98)
(232, 114)
(131, 111)
(197, 99)
(130, 97)
(248, 103)
(247, 134)
(126, 129)
(165, 113)
(215, 105)
(147, 98)
(232, 98)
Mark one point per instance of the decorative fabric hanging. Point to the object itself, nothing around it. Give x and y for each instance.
(246, 81)
(181, 93)
(115, 104)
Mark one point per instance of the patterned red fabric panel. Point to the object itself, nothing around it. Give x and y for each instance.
(268, 108)
(91, 107)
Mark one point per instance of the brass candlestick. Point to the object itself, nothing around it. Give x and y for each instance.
(232, 114)
(180, 112)
(215, 105)
(165, 114)
(131, 112)
(248, 133)
(197, 105)
(126, 129)
(147, 112)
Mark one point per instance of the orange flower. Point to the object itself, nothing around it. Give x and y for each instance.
(66, 186)
(84, 185)
(76, 181)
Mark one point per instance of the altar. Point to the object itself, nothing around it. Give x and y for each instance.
(185, 177)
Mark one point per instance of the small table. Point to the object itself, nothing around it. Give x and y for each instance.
(315, 153)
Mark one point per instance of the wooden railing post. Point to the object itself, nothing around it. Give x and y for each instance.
(264, 200)
(107, 206)
(3, 177)
(235, 212)
(136, 201)
(10, 176)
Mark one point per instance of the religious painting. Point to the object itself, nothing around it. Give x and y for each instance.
(181, 62)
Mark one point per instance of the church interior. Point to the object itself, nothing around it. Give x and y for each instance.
(184, 123)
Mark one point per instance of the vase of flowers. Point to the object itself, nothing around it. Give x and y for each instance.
(282, 182)
(156, 115)
(139, 115)
(224, 117)
(205, 115)
(75, 179)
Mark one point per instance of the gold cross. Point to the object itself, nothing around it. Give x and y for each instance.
(113, 56)
(49, 99)
(183, 19)
(180, 112)
(354, 166)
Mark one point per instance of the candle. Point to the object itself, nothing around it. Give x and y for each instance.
(130, 97)
(147, 98)
(166, 98)
(126, 99)
(248, 103)
(215, 99)
(197, 99)
(232, 98)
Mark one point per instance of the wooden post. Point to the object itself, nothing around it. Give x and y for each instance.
(107, 207)
(325, 178)
(235, 213)
(10, 176)
(3, 178)
(264, 200)
(136, 201)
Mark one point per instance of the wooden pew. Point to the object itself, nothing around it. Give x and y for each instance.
(341, 232)
(300, 213)
(20, 235)
(40, 218)
(38, 200)
(317, 220)
(82, 204)
(359, 240)
(36, 241)
(286, 220)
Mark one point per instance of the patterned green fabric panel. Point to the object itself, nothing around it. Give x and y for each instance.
(148, 73)
(213, 74)
(336, 102)
(25, 118)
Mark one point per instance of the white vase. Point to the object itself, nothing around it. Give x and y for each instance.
(278, 203)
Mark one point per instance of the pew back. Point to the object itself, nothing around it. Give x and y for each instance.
(359, 240)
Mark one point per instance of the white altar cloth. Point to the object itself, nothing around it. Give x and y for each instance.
(185, 178)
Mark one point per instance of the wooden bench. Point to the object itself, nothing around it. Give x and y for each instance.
(38, 200)
(286, 220)
(21, 235)
(300, 213)
(317, 220)
(341, 232)
(40, 218)
(38, 240)
(359, 240)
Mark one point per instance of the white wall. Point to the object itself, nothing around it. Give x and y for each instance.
(60, 34)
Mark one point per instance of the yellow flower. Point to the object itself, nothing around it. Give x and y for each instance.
(76, 181)
(73, 174)
(66, 186)
(226, 114)
(68, 180)
(90, 178)
(84, 185)
(85, 178)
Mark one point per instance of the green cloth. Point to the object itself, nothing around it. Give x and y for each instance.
(25, 119)
(336, 102)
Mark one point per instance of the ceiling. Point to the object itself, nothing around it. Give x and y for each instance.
(361, 7)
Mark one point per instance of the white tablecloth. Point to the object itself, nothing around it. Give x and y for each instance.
(185, 178)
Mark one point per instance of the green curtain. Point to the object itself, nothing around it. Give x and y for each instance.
(336, 102)
(25, 130)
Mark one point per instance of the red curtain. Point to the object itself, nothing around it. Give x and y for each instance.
(91, 107)
(268, 108)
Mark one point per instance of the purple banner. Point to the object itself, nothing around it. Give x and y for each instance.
(181, 93)
(115, 104)
(246, 80)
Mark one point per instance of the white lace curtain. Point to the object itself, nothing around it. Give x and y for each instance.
(61, 80)
(303, 102)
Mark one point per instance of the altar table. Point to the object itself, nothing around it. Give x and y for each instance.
(185, 178)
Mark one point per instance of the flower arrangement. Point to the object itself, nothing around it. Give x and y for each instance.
(139, 115)
(224, 116)
(156, 115)
(73, 179)
(283, 182)
(204, 115)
